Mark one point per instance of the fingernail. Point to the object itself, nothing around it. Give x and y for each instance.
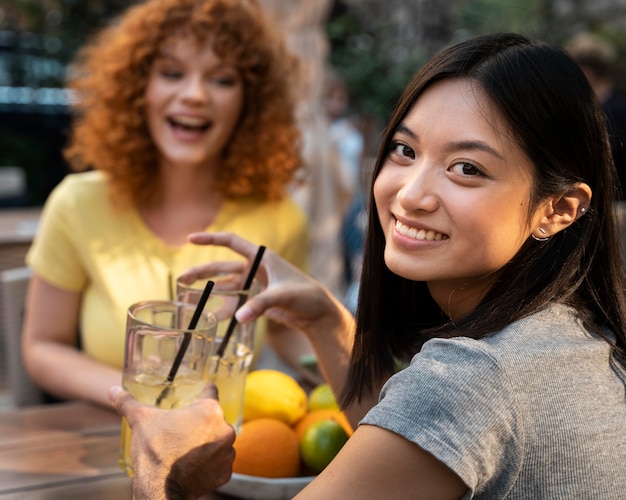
(244, 313)
(114, 391)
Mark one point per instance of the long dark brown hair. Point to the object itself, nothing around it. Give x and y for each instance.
(559, 124)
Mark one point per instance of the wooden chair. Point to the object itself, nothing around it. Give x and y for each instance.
(13, 285)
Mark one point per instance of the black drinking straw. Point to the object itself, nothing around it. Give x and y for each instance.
(186, 340)
(242, 299)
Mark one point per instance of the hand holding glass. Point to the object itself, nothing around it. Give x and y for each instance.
(155, 331)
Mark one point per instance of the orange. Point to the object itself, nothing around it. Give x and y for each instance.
(320, 443)
(324, 414)
(267, 447)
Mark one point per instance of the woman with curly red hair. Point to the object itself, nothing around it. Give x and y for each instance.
(184, 122)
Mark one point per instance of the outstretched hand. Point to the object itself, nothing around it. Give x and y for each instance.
(180, 453)
(290, 297)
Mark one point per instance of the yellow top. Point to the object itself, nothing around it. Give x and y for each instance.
(114, 259)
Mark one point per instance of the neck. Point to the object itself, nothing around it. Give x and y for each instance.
(189, 204)
(187, 184)
(460, 298)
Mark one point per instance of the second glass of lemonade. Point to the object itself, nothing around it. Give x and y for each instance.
(228, 371)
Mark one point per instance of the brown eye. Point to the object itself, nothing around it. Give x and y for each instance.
(402, 150)
(466, 169)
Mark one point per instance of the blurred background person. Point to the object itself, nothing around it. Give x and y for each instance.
(320, 191)
(348, 141)
(185, 122)
(598, 58)
(345, 133)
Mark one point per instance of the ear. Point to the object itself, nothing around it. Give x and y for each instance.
(560, 211)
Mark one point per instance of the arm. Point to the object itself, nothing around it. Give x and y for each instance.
(49, 347)
(177, 454)
(298, 302)
(183, 453)
(291, 345)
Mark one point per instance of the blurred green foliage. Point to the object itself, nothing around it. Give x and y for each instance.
(377, 71)
(531, 17)
(375, 78)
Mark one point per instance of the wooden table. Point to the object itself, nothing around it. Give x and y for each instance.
(62, 451)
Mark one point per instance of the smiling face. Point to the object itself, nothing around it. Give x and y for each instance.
(453, 195)
(193, 102)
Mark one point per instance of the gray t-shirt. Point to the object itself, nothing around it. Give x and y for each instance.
(534, 411)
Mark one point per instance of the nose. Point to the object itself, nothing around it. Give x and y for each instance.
(194, 90)
(419, 188)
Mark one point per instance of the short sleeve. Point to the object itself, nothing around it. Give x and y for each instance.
(455, 402)
(53, 255)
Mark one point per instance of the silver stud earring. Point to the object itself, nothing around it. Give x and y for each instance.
(583, 210)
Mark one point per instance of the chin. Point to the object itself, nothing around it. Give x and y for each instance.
(406, 269)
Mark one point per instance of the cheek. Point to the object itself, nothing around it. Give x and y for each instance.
(232, 104)
(382, 188)
(151, 94)
(501, 245)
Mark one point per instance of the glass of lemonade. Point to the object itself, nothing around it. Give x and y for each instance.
(228, 371)
(155, 332)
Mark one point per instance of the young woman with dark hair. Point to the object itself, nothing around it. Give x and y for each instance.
(492, 268)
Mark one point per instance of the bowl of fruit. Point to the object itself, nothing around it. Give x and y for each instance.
(287, 437)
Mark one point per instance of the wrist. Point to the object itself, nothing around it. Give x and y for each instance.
(149, 481)
(148, 490)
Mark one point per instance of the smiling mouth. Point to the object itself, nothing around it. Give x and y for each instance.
(189, 124)
(419, 234)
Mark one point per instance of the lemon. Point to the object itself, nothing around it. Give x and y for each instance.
(322, 398)
(321, 443)
(273, 394)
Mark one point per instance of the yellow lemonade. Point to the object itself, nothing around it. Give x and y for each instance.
(228, 374)
(146, 388)
(229, 378)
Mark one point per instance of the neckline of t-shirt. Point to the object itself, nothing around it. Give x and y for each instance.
(154, 240)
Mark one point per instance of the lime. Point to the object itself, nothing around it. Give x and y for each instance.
(321, 443)
(322, 398)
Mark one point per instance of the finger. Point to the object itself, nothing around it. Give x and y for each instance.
(230, 240)
(209, 392)
(210, 400)
(259, 304)
(122, 401)
(211, 269)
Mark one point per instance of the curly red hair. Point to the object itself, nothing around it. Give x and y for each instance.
(111, 75)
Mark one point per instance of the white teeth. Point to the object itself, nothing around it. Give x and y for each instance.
(419, 234)
(189, 121)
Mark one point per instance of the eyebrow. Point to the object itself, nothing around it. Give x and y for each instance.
(456, 145)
